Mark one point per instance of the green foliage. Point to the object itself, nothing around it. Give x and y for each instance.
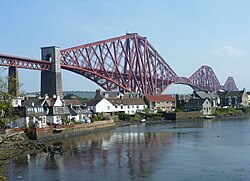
(178, 110)
(246, 110)
(97, 117)
(136, 117)
(6, 109)
(146, 110)
(227, 111)
(5, 104)
(65, 120)
(124, 116)
(153, 115)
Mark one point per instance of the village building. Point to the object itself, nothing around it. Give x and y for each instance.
(160, 102)
(201, 105)
(30, 112)
(117, 103)
(213, 97)
(55, 110)
(236, 99)
(78, 112)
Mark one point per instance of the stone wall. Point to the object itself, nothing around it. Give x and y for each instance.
(183, 115)
(63, 131)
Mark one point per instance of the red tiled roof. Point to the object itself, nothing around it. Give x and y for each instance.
(159, 98)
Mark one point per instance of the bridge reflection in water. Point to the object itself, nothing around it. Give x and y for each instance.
(198, 150)
(127, 152)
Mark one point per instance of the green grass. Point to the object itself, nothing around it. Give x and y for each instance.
(227, 111)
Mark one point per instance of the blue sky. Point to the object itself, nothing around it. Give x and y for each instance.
(188, 34)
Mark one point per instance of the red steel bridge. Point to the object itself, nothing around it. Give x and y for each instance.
(128, 63)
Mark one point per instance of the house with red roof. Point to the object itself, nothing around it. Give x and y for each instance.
(160, 102)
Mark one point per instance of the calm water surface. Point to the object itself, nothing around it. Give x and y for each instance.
(209, 150)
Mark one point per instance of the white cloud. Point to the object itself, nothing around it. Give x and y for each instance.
(229, 51)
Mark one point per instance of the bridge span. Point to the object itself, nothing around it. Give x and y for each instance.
(128, 63)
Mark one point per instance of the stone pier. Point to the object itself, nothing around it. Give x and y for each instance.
(13, 83)
(51, 81)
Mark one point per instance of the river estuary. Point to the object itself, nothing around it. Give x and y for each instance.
(200, 150)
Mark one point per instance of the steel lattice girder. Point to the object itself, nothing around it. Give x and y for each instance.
(20, 62)
(128, 63)
(230, 84)
(206, 79)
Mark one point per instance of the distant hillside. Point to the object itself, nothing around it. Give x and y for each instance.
(82, 94)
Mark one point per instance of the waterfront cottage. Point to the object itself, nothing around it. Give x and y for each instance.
(202, 105)
(111, 104)
(213, 97)
(160, 102)
(31, 112)
(78, 112)
(55, 110)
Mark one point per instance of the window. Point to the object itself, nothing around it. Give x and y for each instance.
(137, 106)
(128, 107)
(121, 107)
(116, 106)
(108, 107)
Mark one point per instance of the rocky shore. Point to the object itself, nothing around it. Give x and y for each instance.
(16, 145)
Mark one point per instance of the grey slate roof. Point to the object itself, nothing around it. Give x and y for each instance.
(93, 102)
(204, 95)
(230, 94)
(32, 102)
(76, 111)
(194, 103)
(59, 110)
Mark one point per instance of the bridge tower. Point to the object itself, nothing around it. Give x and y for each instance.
(13, 83)
(51, 81)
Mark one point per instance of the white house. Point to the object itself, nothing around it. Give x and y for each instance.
(55, 109)
(77, 111)
(112, 105)
(31, 112)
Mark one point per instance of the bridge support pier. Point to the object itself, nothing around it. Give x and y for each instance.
(13, 83)
(51, 81)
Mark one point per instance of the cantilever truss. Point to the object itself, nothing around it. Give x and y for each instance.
(129, 63)
(21, 62)
(230, 84)
(206, 79)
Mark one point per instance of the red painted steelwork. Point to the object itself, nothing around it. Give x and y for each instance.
(21, 62)
(230, 84)
(205, 79)
(128, 63)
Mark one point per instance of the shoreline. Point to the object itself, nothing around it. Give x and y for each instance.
(21, 145)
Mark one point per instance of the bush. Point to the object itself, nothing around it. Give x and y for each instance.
(246, 110)
(136, 117)
(124, 116)
(226, 111)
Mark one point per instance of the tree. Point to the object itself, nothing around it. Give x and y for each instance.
(5, 102)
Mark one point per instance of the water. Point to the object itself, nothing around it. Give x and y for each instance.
(209, 150)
